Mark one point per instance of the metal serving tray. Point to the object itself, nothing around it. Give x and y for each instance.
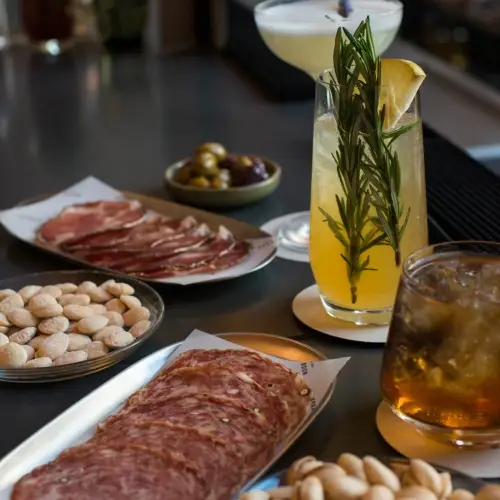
(78, 423)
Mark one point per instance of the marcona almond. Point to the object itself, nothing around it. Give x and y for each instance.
(28, 292)
(92, 324)
(99, 295)
(345, 488)
(379, 492)
(12, 330)
(352, 464)
(12, 356)
(6, 292)
(377, 473)
(426, 475)
(306, 468)
(67, 287)
(71, 357)
(135, 315)
(44, 306)
(96, 349)
(130, 301)
(281, 493)
(85, 287)
(311, 489)
(3, 339)
(79, 299)
(328, 472)
(98, 308)
(22, 318)
(38, 363)
(106, 331)
(446, 485)
(76, 312)
(29, 351)
(140, 328)
(255, 495)
(117, 339)
(408, 479)
(4, 329)
(115, 319)
(415, 492)
(37, 341)
(116, 305)
(118, 289)
(489, 492)
(73, 327)
(461, 495)
(10, 303)
(3, 320)
(77, 341)
(53, 325)
(291, 474)
(23, 336)
(50, 290)
(53, 347)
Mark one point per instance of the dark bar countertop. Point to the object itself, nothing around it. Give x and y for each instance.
(124, 119)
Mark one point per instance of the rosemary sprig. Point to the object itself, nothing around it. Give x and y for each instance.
(370, 210)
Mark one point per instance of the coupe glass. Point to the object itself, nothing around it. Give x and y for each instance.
(302, 33)
(441, 369)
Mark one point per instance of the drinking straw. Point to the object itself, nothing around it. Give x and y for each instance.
(344, 8)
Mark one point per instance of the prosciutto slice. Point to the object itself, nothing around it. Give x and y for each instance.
(88, 218)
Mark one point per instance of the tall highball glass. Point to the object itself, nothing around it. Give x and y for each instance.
(355, 264)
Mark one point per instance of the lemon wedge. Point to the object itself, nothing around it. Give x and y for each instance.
(401, 80)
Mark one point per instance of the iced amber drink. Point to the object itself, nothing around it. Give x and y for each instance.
(441, 368)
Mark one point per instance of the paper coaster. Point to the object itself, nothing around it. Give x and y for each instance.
(403, 437)
(273, 227)
(308, 309)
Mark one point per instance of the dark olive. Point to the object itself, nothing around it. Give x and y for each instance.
(219, 183)
(183, 174)
(201, 182)
(205, 164)
(218, 150)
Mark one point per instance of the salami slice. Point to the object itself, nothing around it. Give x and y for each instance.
(250, 434)
(217, 380)
(214, 458)
(87, 218)
(92, 472)
(272, 376)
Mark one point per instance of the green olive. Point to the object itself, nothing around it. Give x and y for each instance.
(219, 183)
(244, 161)
(218, 150)
(205, 164)
(224, 175)
(183, 174)
(201, 182)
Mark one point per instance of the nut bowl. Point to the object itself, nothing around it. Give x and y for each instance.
(222, 198)
(148, 297)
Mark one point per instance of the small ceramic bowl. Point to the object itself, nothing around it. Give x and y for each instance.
(222, 198)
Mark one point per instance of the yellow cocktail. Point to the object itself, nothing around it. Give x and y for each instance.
(368, 208)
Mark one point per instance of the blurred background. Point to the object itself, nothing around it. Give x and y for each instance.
(457, 42)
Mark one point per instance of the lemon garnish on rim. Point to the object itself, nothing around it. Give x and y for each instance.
(401, 80)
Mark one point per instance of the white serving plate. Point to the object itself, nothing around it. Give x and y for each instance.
(78, 423)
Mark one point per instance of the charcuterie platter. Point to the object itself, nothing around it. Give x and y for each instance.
(139, 236)
(170, 421)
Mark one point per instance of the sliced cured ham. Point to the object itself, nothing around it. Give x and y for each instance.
(275, 377)
(80, 220)
(213, 457)
(249, 433)
(218, 380)
(91, 472)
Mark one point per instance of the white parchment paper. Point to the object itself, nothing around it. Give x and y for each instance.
(23, 222)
